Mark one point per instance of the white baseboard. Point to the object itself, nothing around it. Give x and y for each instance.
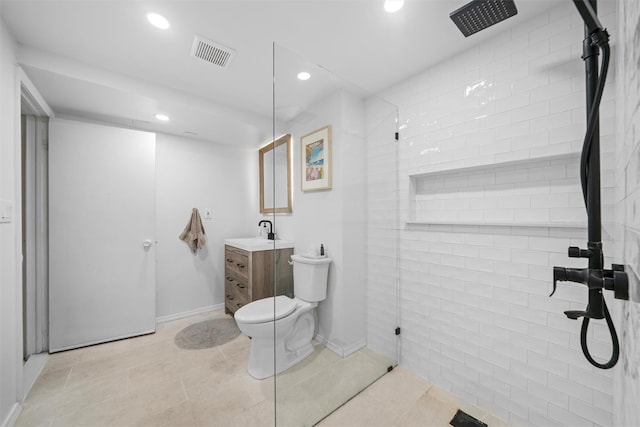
(342, 351)
(13, 415)
(176, 316)
(358, 345)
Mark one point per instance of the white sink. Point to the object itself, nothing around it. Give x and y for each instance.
(254, 244)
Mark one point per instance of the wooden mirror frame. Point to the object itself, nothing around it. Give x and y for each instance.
(285, 139)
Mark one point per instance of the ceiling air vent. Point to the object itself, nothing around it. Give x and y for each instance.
(212, 52)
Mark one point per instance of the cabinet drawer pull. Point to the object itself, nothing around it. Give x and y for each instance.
(230, 297)
(240, 285)
(229, 278)
(238, 305)
(240, 265)
(229, 260)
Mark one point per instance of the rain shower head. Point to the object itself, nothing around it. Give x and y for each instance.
(480, 14)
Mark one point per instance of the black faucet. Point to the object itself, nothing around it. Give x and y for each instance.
(596, 280)
(270, 234)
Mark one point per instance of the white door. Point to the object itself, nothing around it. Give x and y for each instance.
(101, 234)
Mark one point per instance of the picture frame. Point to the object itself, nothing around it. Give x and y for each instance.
(315, 160)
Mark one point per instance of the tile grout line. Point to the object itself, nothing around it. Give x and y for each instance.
(184, 389)
(66, 381)
(408, 409)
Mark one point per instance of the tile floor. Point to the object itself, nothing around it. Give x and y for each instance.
(149, 381)
(402, 399)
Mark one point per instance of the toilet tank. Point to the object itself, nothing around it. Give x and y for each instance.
(310, 277)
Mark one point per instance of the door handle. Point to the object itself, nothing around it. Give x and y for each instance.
(147, 243)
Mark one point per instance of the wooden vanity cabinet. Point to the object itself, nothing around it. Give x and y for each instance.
(249, 275)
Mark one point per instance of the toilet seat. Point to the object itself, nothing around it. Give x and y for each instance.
(262, 310)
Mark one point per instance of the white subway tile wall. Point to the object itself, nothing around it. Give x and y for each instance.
(382, 256)
(489, 201)
(626, 227)
(527, 192)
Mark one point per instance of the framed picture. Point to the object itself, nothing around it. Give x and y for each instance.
(315, 160)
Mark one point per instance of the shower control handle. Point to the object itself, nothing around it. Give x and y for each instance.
(618, 282)
(576, 252)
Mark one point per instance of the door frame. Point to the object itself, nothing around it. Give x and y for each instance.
(31, 101)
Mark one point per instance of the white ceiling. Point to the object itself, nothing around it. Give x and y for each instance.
(102, 60)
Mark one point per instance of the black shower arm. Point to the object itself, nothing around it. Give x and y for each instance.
(588, 16)
(596, 31)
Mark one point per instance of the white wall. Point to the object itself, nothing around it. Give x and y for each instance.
(10, 290)
(335, 218)
(627, 225)
(476, 261)
(199, 174)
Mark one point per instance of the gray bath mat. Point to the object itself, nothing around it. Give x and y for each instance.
(207, 334)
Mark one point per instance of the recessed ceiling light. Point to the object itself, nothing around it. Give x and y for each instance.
(304, 75)
(393, 5)
(158, 21)
(162, 117)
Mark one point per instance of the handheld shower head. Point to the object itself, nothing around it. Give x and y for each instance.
(480, 14)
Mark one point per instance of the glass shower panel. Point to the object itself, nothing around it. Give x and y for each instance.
(341, 332)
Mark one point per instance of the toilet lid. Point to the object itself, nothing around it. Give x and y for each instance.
(261, 310)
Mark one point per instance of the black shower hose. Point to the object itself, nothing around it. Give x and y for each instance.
(584, 176)
(614, 341)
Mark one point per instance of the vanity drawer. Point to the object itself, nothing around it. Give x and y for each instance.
(232, 306)
(236, 284)
(235, 297)
(236, 260)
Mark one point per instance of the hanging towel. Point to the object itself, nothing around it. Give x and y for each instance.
(193, 233)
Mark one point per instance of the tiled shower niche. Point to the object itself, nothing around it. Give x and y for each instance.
(531, 192)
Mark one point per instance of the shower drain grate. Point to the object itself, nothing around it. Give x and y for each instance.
(462, 419)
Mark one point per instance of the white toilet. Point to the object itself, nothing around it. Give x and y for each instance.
(294, 320)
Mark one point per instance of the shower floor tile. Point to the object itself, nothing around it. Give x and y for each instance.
(402, 399)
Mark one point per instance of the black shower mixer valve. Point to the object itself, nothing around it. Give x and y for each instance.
(596, 280)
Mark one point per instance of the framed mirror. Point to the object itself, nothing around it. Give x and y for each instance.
(275, 176)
